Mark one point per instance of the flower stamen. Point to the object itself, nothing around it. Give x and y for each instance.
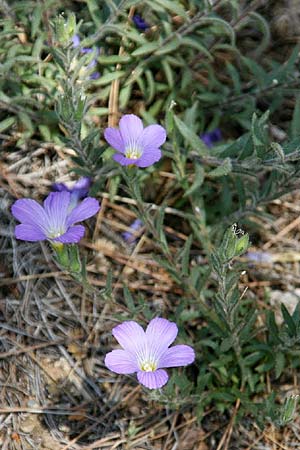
(133, 152)
(148, 366)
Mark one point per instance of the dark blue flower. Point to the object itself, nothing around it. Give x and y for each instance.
(140, 23)
(211, 137)
(135, 226)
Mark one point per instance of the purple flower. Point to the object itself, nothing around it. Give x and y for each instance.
(260, 257)
(135, 226)
(211, 137)
(76, 41)
(54, 220)
(134, 143)
(84, 50)
(79, 190)
(147, 352)
(140, 23)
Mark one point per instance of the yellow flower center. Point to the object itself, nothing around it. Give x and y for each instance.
(148, 366)
(52, 234)
(133, 152)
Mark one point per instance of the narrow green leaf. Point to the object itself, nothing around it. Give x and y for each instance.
(198, 180)
(172, 6)
(129, 299)
(151, 86)
(191, 137)
(150, 47)
(288, 320)
(235, 76)
(226, 344)
(36, 17)
(168, 72)
(109, 77)
(272, 326)
(195, 43)
(169, 47)
(221, 170)
(220, 26)
(185, 256)
(279, 363)
(295, 125)
(124, 97)
(94, 11)
(7, 123)
(113, 59)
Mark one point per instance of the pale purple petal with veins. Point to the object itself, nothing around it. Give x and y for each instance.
(130, 335)
(86, 209)
(149, 157)
(131, 128)
(121, 361)
(114, 138)
(56, 207)
(153, 137)
(153, 380)
(73, 235)
(179, 355)
(162, 332)
(31, 212)
(28, 232)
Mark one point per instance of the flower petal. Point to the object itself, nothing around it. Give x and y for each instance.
(76, 40)
(130, 336)
(131, 128)
(84, 210)
(72, 235)
(82, 183)
(29, 232)
(153, 136)
(114, 138)
(121, 159)
(121, 361)
(95, 76)
(58, 187)
(179, 355)
(56, 207)
(153, 380)
(160, 333)
(149, 157)
(29, 211)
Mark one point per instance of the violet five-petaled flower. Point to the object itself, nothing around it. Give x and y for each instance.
(135, 144)
(147, 352)
(55, 220)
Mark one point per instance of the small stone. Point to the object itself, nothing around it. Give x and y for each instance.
(29, 424)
